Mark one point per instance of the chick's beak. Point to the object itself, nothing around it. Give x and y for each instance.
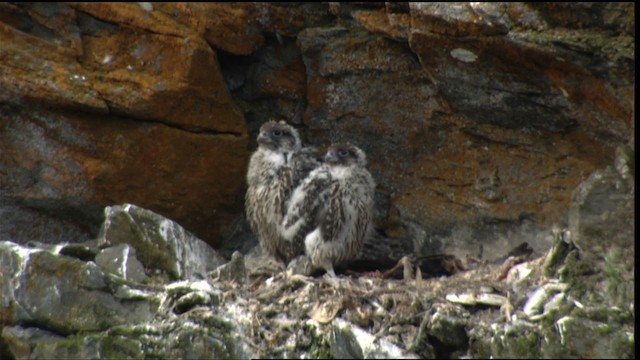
(263, 138)
(330, 157)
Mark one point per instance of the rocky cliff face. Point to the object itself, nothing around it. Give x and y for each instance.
(484, 125)
(478, 119)
(146, 288)
(105, 104)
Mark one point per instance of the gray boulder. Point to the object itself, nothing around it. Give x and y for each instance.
(121, 260)
(58, 306)
(63, 294)
(160, 243)
(349, 341)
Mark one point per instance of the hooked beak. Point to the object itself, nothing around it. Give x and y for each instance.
(263, 138)
(331, 157)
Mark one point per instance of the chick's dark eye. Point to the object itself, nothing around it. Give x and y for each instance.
(277, 133)
(343, 153)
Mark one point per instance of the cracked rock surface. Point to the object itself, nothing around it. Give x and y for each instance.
(55, 301)
(501, 137)
(478, 119)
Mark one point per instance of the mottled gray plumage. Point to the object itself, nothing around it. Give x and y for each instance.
(331, 210)
(275, 169)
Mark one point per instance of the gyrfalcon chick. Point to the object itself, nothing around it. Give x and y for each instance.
(331, 210)
(277, 166)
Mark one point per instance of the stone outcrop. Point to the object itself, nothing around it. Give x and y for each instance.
(163, 244)
(55, 301)
(111, 103)
(499, 85)
(38, 287)
(96, 300)
(477, 118)
(482, 121)
(485, 125)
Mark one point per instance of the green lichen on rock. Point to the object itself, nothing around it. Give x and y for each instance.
(581, 336)
(207, 337)
(160, 243)
(120, 347)
(606, 44)
(619, 281)
(623, 344)
(314, 344)
(510, 341)
(85, 346)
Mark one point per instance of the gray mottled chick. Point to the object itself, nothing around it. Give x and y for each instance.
(331, 210)
(275, 169)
